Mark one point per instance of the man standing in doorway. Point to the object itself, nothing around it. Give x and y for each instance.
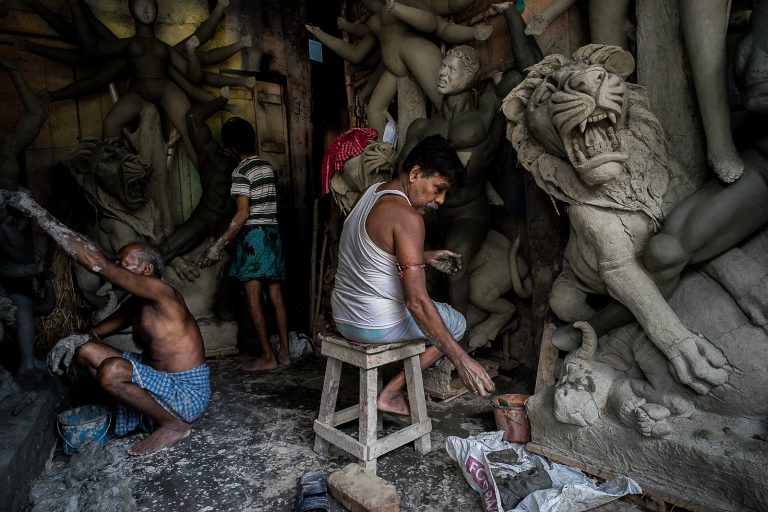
(258, 261)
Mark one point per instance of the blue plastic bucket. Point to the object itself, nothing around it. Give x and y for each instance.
(81, 424)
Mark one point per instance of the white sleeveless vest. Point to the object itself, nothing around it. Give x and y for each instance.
(368, 292)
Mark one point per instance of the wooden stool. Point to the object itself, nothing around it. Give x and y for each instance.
(368, 357)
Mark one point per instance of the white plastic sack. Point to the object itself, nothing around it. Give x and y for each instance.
(298, 344)
(572, 490)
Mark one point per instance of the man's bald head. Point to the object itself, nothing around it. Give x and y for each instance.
(142, 258)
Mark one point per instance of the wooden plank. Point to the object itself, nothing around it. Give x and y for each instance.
(560, 458)
(369, 356)
(548, 353)
(346, 415)
(339, 439)
(398, 439)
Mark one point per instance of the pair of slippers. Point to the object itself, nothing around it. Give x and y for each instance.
(313, 493)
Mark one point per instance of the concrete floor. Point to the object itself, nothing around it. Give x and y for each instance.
(256, 439)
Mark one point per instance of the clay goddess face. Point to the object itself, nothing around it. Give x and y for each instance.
(454, 75)
(144, 11)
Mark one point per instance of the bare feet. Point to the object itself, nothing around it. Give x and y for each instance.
(394, 403)
(283, 358)
(159, 439)
(262, 364)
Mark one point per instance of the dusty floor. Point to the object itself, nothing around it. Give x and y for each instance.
(256, 439)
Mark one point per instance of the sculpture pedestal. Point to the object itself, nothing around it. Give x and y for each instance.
(27, 441)
(710, 462)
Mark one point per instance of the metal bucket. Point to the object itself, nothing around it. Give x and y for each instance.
(511, 417)
(81, 424)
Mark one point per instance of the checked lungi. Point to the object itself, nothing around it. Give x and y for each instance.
(185, 394)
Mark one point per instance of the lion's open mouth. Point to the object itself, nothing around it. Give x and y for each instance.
(594, 148)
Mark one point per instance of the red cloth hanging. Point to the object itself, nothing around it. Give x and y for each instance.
(347, 145)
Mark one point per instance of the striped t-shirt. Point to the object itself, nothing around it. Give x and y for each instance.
(255, 178)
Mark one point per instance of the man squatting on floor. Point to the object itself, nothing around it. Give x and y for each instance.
(380, 294)
(169, 382)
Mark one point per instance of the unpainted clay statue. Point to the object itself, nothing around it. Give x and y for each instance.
(589, 139)
(496, 269)
(399, 31)
(704, 25)
(215, 207)
(717, 216)
(159, 73)
(627, 376)
(114, 182)
(22, 254)
(474, 126)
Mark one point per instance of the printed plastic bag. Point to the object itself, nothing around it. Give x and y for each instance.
(571, 491)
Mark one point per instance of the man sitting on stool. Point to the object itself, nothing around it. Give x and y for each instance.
(380, 294)
(169, 382)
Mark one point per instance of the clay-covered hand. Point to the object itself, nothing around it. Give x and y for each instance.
(473, 375)
(445, 261)
(212, 255)
(19, 200)
(64, 350)
(696, 362)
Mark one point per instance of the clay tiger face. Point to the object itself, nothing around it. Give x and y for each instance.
(576, 110)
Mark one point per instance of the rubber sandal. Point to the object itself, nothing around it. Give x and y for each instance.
(313, 493)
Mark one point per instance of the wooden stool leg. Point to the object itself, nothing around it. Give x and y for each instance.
(417, 401)
(328, 400)
(379, 387)
(368, 413)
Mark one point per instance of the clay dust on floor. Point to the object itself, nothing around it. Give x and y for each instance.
(246, 453)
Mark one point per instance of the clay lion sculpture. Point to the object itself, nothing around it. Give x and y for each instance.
(590, 140)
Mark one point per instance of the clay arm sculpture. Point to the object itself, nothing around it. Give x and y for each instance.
(355, 29)
(207, 29)
(92, 83)
(63, 55)
(194, 72)
(429, 23)
(694, 360)
(222, 53)
(446, 7)
(540, 21)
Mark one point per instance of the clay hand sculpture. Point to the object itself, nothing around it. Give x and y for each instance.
(590, 140)
(63, 352)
